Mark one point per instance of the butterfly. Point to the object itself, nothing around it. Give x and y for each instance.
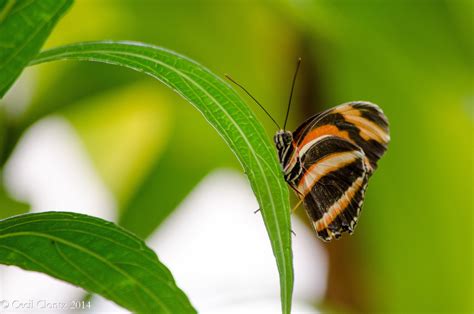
(329, 159)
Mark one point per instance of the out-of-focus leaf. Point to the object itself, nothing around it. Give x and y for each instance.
(143, 151)
(176, 172)
(123, 140)
(224, 110)
(167, 185)
(24, 27)
(9, 206)
(3, 129)
(95, 255)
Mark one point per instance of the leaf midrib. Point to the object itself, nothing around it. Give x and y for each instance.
(48, 220)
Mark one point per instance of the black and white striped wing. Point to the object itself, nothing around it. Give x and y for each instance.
(333, 184)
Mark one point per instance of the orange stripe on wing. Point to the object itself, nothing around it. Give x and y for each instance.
(339, 206)
(328, 129)
(324, 166)
(368, 130)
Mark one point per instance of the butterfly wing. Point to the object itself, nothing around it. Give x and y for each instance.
(361, 123)
(333, 185)
(339, 149)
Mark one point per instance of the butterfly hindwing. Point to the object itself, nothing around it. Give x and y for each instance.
(333, 184)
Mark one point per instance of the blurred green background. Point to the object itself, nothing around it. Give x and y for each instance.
(413, 249)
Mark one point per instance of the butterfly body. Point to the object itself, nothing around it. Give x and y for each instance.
(328, 160)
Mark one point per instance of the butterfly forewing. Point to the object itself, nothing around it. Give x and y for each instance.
(361, 123)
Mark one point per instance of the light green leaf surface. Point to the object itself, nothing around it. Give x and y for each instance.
(226, 112)
(24, 27)
(95, 255)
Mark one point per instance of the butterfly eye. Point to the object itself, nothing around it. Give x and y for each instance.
(287, 138)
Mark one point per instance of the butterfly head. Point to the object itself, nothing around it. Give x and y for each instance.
(283, 139)
(289, 161)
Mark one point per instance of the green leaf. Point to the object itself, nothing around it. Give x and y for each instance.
(227, 113)
(94, 254)
(24, 27)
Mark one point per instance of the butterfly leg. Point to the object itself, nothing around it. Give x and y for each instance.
(299, 194)
(297, 205)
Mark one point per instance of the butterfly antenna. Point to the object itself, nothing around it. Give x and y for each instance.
(291, 93)
(248, 93)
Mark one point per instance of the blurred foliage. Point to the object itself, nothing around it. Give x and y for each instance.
(9, 206)
(124, 130)
(413, 246)
(183, 163)
(415, 60)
